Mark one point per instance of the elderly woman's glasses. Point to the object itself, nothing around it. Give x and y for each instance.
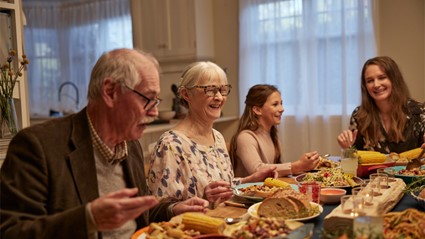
(212, 90)
(150, 103)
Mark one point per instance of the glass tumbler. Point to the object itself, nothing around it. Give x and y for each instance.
(388, 171)
(311, 190)
(366, 192)
(381, 178)
(352, 205)
(349, 162)
(374, 184)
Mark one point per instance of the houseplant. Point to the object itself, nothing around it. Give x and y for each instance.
(9, 76)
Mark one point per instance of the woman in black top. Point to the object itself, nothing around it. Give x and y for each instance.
(388, 119)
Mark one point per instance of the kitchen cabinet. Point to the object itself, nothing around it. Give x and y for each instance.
(174, 31)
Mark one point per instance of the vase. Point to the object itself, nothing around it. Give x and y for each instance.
(8, 118)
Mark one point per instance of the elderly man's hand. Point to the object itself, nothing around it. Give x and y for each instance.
(113, 210)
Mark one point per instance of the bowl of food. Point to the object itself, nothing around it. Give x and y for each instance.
(408, 175)
(332, 195)
(166, 114)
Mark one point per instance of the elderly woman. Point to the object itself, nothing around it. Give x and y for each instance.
(192, 159)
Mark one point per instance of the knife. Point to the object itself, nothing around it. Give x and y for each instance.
(301, 232)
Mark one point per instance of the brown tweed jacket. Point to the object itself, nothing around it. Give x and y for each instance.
(49, 176)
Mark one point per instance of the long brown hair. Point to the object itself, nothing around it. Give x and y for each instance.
(257, 96)
(369, 122)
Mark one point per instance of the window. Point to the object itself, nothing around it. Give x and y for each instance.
(63, 42)
(313, 50)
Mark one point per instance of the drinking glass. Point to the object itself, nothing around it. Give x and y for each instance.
(374, 184)
(356, 191)
(381, 178)
(349, 162)
(366, 192)
(311, 190)
(352, 205)
(388, 171)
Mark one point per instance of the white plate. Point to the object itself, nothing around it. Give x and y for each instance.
(252, 211)
(257, 199)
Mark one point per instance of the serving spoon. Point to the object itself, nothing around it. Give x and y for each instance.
(232, 220)
(416, 162)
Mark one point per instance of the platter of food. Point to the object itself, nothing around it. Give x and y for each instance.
(202, 226)
(330, 178)
(313, 212)
(256, 191)
(270, 228)
(141, 233)
(401, 159)
(407, 175)
(404, 224)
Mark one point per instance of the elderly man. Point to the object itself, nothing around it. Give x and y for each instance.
(82, 176)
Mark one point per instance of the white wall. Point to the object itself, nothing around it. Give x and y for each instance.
(400, 29)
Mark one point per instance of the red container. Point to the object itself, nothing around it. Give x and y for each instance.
(364, 170)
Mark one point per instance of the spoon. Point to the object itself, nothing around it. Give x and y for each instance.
(325, 156)
(232, 220)
(416, 162)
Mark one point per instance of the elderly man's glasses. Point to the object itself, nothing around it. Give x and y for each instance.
(212, 90)
(150, 103)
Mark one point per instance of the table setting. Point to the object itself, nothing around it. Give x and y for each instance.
(348, 205)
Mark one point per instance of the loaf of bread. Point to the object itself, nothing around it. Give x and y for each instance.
(285, 203)
(278, 207)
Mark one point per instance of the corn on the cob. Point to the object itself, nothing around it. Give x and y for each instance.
(273, 182)
(202, 223)
(366, 157)
(411, 154)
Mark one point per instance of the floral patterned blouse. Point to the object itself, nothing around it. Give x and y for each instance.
(180, 168)
(413, 132)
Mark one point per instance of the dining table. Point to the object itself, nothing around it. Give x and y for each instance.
(223, 210)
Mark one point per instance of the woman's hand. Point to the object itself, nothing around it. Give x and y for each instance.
(347, 138)
(218, 191)
(194, 204)
(306, 162)
(261, 174)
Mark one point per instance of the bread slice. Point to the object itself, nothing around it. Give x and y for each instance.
(302, 205)
(278, 207)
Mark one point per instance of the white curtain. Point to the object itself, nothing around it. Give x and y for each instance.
(313, 51)
(63, 40)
